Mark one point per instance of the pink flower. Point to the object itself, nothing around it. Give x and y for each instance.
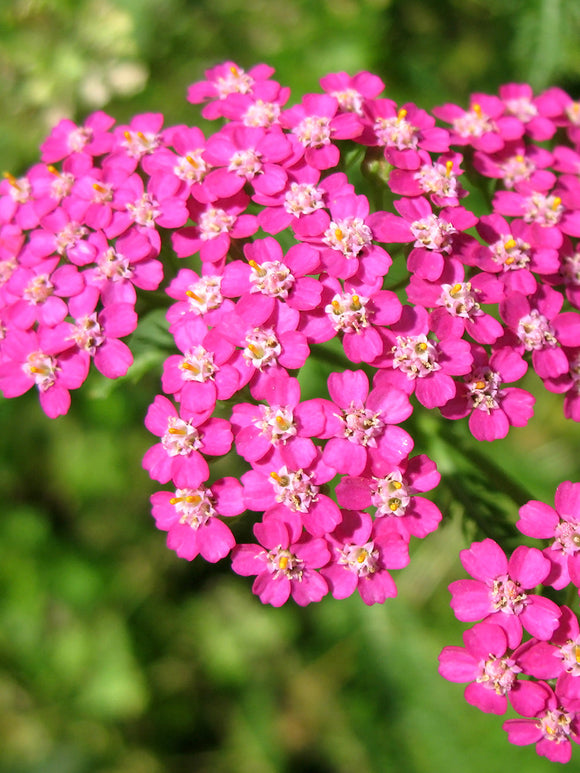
(497, 594)
(286, 565)
(183, 436)
(362, 553)
(191, 516)
(492, 668)
(561, 525)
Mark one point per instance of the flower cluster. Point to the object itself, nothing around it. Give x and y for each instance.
(538, 676)
(285, 262)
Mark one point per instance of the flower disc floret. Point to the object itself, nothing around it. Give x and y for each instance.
(361, 559)
(349, 236)
(546, 210)
(198, 365)
(510, 253)
(396, 132)
(294, 489)
(271, 278)
(361, 425)
(415, 356)
(181, 437)
(262, 348)
(432, 233)
(473, 123)
(194, 506)
(535, 331)
(213, 222)
(459, 300)
(347, 312)
(282, 562)
(390, 495)
(313, 131)
(276, 423)
(42, 369)
(303, 199)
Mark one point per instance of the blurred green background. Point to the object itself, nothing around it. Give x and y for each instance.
(118, 657)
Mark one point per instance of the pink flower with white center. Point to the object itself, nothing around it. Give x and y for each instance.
(266, 329)
(315, 124)
(192, 518)
(93, 138)
(392, 490)
(561, 525)
(433, 235)
(141, 138)
(182, 436)
(262, 114)
(246, 155)
(417, 363)
(357, 314)
(457, 304)
(196, 297)
(158, 205)
(405, 133)
(359, 423)
(121, 268)
(222, 81)
(97, 335)
(345, 239)
(271, 273)
(37, 295)
(286, 565)
(491, 406)
(352, 92)
(283, 422)
(362, 554)
(551, 728)
(484, 126)
(511, 255)
(540, 329)
(536, 113)
(498, 592)
(492, 669)
(44, 359)
(217, 224)
(289, 480)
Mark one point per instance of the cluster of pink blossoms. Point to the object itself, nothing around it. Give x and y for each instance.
(540, 676)
(282, 255)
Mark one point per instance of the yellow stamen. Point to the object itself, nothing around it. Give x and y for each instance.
(448, 168)
(53, 170)
(577, 653)
(176, 431)
(510, 244)
(141, 136)
(338, 233)
(256, 351)
(192, 161)
(362, 556)
(401, 114)
(355, 305)
(477, 109)
(234, 71)
(283, 562)
(193, 499)
(99, 188)
(34, 369)
(455, 289)
(336, 306)
(509, 261)
(127, 135)
(556, 203)
(191, 294)
(189, 366)
(480, 384)
(396, 485)
(11, 179)
(394, 504)
(422, 346)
